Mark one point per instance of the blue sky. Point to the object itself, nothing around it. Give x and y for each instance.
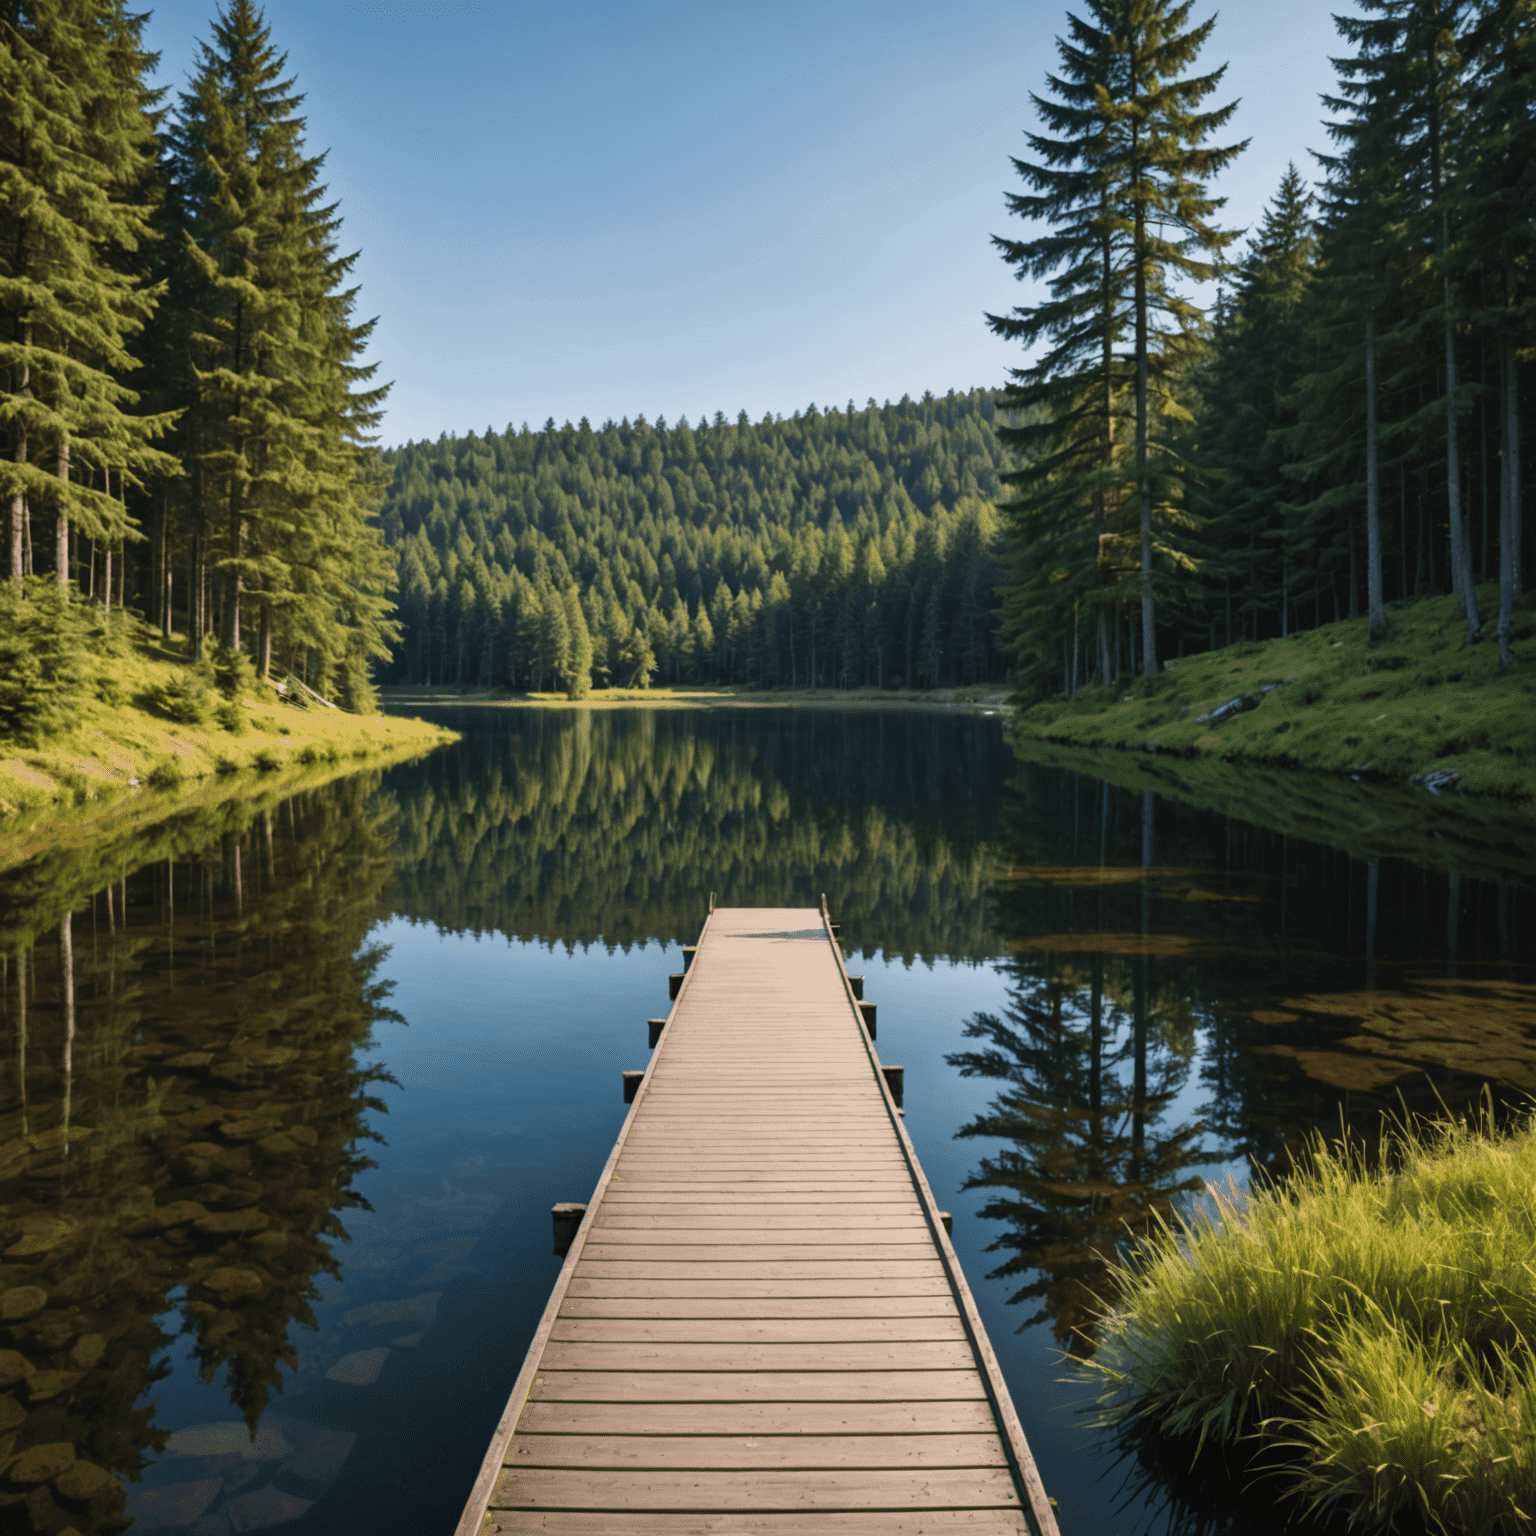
(603, 209)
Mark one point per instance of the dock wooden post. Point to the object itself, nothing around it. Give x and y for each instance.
(867, 1013)
(566, 1219)
(857, 983)
(674, 985)
(895, 1078)
(655, 1026)
(632, 1085)
(689, 950)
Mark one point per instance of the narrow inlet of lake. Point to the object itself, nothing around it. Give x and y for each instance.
(291, 1084)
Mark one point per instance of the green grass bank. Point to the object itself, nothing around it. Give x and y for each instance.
(1364, 1339)
(1416, 703)
(118, 737)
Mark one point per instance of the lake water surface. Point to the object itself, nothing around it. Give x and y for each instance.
(291, 1083)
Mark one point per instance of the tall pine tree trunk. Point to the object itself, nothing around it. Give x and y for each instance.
(19, 499)
(61, 523)
(1509, 493)
(106, 551)
(1143, 485)
(196, 596)
(1376, 611)
(1461, 556)
(264, 661)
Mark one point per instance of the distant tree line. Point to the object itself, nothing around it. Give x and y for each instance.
(840, 548)
(184, 415)
(1344, 428)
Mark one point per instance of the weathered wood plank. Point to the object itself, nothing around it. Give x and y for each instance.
(940, 1304)
(758, 1453)
(929, 1522)
(751, 1386)
(857, 1286)
(768, 1330)
(922, 1355)
(620, 1492)
(942, 1417)
(634, 1268)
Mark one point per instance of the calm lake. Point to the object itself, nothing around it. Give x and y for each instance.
(292, 1083)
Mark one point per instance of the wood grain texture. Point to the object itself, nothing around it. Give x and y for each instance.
(943, 1417)
(760, 1453)
(750, 1488)
(938, 1522)
(761, 1327)
(710, 1387)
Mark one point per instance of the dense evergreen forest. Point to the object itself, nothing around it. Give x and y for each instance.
(183, 404)
(187, 419)
(840, 548)
(1344, 429)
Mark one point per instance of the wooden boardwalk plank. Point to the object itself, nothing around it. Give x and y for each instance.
(756, 1330)
(934, 1522)
(779, 1453)
(756, 1308)
(944, 1417)
(753, 1489)
(710, 1387)
(761, 1326)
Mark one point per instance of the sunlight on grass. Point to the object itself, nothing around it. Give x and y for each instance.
(1417, 702)
(1374, 1329)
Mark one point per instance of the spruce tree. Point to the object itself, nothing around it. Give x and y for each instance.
(1498, 207)
(1121, 176)
(76, 160)
(279, 409)
(1159, 164)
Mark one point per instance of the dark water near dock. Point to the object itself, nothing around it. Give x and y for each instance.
(290, 1085)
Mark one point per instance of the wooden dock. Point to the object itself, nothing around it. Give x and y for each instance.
(761, 1326)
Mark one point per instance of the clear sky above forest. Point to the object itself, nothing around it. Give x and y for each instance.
(610, 208)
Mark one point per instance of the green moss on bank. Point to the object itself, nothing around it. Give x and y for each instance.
(1417, 702)
(120, 738)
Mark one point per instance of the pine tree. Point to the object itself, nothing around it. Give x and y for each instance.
(578, 666)
(1498, 207)
(1258, 352)
(279, 409)
(1123, 162)
(1159, 166)
(76, 158)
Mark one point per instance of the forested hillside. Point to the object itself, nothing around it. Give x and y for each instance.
(839, 548)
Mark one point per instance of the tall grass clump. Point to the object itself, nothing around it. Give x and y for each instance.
(1366, 1332)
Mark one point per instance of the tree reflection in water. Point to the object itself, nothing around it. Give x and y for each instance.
(181, 1123)
(1218, 1004)
(1094, 1052)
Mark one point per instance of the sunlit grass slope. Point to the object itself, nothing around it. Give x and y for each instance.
(1373, 1336)
(119, 737)
(1417, 702)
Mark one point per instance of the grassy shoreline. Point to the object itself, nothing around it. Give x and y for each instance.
(1417, 703)
(120, 742)
(1368, 1335)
